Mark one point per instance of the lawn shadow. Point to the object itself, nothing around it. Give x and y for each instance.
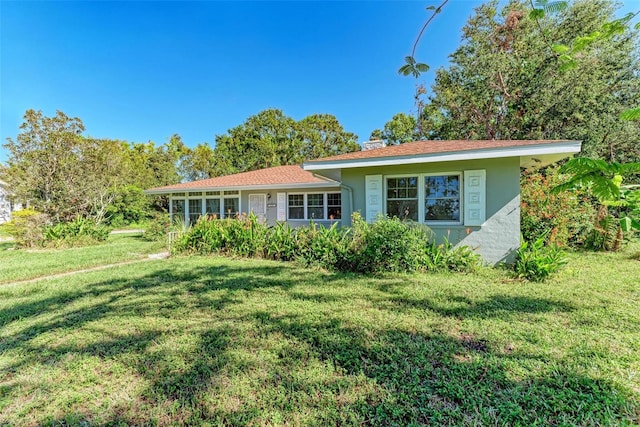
(393, 376)
(445, 380)
(494, 306)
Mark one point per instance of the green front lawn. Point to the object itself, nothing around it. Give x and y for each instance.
(27, 264)
(244, 342)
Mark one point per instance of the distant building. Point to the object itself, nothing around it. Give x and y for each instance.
(5, 204)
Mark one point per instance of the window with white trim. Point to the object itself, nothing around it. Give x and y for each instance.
(296, 206)
(212, 207)
(402, 197)
(231, 206)
(334, 205)
(314, 206)
(430, 198)
(442, 198)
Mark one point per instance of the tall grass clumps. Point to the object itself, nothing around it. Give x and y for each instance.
(536, 261)
(387, 245)
(32, 229)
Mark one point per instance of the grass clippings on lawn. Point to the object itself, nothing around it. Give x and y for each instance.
(246, 342)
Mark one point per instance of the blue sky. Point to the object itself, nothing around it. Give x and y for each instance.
(143, 70)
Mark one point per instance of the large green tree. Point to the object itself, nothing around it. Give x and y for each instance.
(65, 174)
(43, 165)
(270, 138)
(505, 82)
(400, 129)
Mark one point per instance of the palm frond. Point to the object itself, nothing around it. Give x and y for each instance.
(632, 114)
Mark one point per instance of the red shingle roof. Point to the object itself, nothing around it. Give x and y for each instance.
(279, 175)
(432, 147)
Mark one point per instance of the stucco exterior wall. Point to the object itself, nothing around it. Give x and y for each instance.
(499, 236)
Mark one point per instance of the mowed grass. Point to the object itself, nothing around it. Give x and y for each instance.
(214, 341)
(28, 264)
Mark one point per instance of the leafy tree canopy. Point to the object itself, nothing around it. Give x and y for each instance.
(270, 138)
(505, 83)
(65, 174)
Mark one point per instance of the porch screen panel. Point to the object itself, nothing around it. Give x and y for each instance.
(195, 210)
(231, 207)
(212, 207)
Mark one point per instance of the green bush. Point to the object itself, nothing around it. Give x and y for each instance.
(566, 218)
(387, 245)
(320, 246)
(446, 257)
(79, 232)
(158, 228)
(130, 206)
(536, 261)
(27, 227)
(280, 242)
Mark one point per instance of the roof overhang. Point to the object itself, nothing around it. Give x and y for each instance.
(530, 155)
(264, 187)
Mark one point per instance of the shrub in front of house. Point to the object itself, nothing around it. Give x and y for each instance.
(158, 228)
(79, 232)
(387, 245)
(536, 261)
(31, 229)
(26, 227)
(319, 246)
(566, 218)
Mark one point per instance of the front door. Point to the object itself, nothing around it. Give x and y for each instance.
(258, 205)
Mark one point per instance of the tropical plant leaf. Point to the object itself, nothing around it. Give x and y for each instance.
(560, 48)
(423, 68)
(536, 14)
(555, 6)
(632, 114)
(405, 70)
(432, 7)
(579, 165)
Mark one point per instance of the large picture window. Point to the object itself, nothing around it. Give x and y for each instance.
(402, 198)
(442, 198)
(425, 198)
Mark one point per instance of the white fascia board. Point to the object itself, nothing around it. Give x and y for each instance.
(568, 148)
(246, 187)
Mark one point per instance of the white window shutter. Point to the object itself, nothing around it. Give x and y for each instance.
(475, 197)
(373, 195)
(282, 206)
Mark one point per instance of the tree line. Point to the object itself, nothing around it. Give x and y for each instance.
(65, 174)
